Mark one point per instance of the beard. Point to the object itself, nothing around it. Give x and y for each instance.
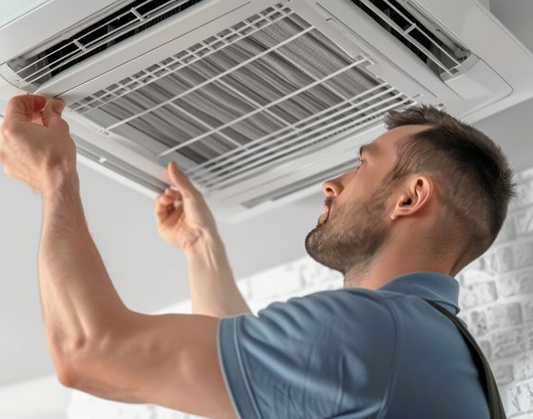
(351, 236)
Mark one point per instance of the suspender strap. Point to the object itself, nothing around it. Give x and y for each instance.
(491, 390)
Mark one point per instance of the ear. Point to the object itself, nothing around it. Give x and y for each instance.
(416, 194)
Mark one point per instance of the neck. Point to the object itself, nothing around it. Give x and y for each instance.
(394, 261)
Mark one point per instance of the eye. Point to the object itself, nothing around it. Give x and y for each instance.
(358, 162)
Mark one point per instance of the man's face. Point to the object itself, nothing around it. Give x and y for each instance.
(355, 224)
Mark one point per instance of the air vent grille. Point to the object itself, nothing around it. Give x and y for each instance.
(36, 69)
(424, 37)
(118, 165)
(299, 185)
(267, 90)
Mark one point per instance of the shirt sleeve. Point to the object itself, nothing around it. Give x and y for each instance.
(319, 356)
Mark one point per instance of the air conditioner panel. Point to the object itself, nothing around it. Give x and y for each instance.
(272, 108)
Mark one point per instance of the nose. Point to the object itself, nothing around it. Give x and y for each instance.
(332, 187)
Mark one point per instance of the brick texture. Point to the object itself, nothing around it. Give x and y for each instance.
(496, 302)
(499, 307)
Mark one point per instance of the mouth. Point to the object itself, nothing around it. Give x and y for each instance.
(324, 216)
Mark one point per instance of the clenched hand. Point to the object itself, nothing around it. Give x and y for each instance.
(35, 145)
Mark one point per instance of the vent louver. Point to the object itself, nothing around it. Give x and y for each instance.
(35, 68)
(117, 165)
(298, 186)
(261, 92)
(425, 38)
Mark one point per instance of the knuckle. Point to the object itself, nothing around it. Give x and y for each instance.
(64, 125)
(10, 130)
(6, 130)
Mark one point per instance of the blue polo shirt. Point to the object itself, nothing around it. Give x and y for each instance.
(354, 353)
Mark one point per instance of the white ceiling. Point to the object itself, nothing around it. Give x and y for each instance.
(148, 273)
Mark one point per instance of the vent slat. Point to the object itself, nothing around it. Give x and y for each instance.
(303, 145)
(425, 38)
(139, 15)
(297, 186)
(118, 165)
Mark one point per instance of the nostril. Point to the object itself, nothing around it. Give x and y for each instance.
(327, 190)
(331, 188)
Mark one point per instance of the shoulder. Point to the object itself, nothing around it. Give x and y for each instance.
(335, 348)
(350, 318)
(355, 306)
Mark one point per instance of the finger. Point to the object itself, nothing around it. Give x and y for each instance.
(164, 205)
(172, 193)
(166, 214)
(162, 212)
(162, 202)
(22, 108)
(178, 178)
(169, 196)
(51, 115)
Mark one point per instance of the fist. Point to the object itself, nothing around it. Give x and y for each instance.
(35, 144)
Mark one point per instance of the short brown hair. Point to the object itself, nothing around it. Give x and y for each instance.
(470, 171)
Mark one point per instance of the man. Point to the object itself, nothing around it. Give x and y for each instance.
(426, 198)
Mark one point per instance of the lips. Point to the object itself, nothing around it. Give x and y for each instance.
(324, 216)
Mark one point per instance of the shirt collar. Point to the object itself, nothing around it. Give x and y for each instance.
(433, 286)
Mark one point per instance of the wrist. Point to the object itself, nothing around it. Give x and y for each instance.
(61, 185)
(206, 244)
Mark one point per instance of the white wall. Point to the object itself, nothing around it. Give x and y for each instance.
(40, 398)
(497, 303)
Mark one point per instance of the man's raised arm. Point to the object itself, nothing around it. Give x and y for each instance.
(97, 344)
(185, 221)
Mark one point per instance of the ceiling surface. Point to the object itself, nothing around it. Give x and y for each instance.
(146, 271)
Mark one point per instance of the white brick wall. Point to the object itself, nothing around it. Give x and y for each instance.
(497, 303)
(496, 300)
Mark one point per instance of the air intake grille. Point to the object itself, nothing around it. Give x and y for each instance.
(117, 165)
(425, 38)
(36, 69)
(241, 102)
(299, 185)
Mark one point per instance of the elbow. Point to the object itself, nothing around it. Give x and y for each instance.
(69, 360)
(66, 370)
(66, 376)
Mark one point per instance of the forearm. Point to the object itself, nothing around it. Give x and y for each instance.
(101, 347)
(213, 288)
(78, 299)
(97, 344)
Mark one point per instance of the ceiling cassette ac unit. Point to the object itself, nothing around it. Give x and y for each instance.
(258, 101)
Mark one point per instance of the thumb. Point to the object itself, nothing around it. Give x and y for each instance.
(51, 115)
(178, 178)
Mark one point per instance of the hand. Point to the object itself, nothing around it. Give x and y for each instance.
(182, 215)
(35, 145)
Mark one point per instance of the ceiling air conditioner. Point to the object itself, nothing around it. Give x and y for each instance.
(257, 100)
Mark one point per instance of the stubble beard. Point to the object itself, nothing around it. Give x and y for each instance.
(351, 237)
